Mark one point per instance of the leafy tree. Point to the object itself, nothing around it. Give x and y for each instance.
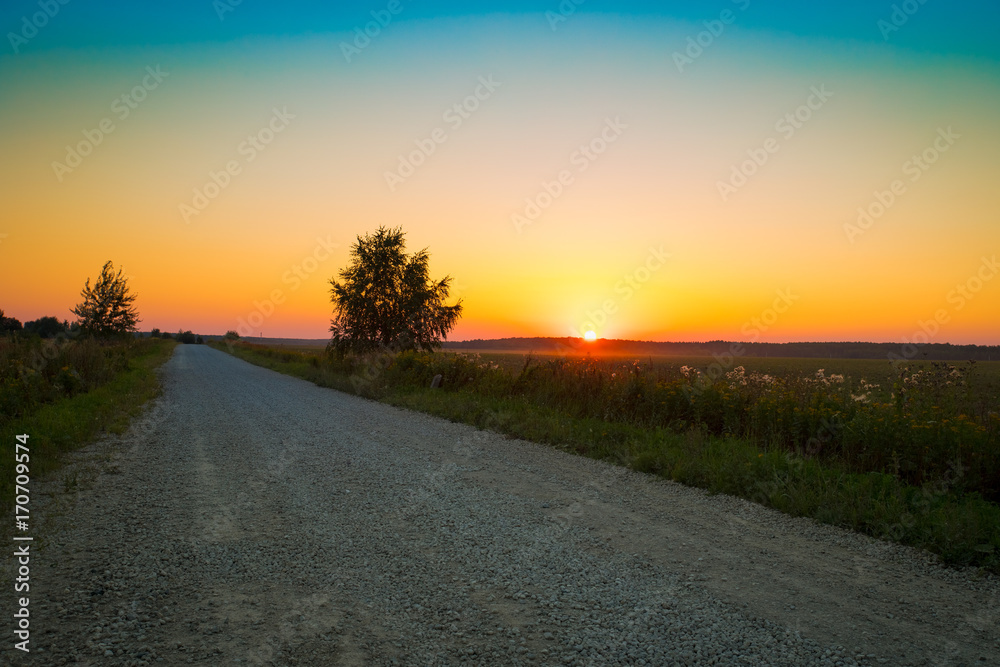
(155, 333)
(9, 324)
(385, 299)
(46, 327)
(231, 335)
(186, 337)
(107, 308)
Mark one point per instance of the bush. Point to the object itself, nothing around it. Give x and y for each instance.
(46, 327)
(34, 371)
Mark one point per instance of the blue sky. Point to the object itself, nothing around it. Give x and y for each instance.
(936, 26)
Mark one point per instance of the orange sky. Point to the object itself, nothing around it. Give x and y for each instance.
(639, 240)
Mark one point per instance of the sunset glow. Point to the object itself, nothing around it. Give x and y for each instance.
(797, 176)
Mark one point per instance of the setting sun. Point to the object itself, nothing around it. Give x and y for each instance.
(590, 336)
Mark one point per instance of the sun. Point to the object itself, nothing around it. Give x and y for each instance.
(590, 336)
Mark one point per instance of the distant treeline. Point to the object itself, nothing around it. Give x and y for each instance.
(852, 350)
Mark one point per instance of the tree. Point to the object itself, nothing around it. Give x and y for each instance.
(231, 335)
(107, 308)
(385, 299)
(9, 325)
(46, 327)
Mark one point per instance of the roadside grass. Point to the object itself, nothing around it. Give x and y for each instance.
(961, 527)
(70, 423)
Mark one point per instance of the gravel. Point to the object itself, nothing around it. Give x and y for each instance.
(249, 518)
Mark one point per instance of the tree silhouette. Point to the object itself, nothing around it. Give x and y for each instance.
(8, 324)
(46, 327)
(107, 308)
(386, 300)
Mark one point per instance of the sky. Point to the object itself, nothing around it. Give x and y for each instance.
(733, 170)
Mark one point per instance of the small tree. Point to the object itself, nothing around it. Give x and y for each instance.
(231, 335)
(155, 333)
(9, 324)
(107, 308)
(46, 327)
(386, 299)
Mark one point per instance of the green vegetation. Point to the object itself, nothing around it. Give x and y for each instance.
(386, 299)
(64, 393)
(108, 308)
(909, 453)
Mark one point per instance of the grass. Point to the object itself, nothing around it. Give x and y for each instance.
(66, 423)
(746, 443)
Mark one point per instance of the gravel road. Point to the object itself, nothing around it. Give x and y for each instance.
(249, 518)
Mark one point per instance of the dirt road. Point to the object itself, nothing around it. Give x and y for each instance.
(252, 518)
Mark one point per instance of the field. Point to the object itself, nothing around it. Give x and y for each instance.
(908, 453)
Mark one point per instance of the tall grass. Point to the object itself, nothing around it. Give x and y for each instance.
(110, 384)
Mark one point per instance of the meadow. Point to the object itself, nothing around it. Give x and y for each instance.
(62, 393)
(907, 452)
